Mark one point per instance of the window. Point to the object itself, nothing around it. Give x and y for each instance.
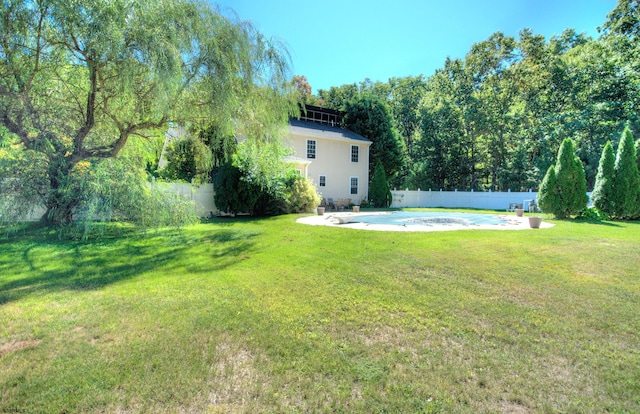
(354, 153)
(354, 185)
(322, 181)
(311, 148)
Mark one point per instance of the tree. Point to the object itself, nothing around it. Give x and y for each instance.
(189, 159)
(571, 183)
(567, 196)
(406, 94)
(547, 194)
(379, 193)
(79, 79)
(626, 179)
(603, 196)
(370, 117)
(303, 90)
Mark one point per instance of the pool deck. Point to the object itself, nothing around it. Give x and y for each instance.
(344, 220)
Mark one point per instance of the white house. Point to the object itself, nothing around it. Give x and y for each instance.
(335, 159)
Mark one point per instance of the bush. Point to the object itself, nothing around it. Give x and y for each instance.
(188, 159)
(303, 197)
(593, 214)
(233, 194)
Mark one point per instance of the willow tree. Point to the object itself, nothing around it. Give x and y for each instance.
(81, 78)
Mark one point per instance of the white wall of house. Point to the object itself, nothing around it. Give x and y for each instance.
(333, 162)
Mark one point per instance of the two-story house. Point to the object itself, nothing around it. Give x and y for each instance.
(335, 159)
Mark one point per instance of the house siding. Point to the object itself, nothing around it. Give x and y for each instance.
(333, 160)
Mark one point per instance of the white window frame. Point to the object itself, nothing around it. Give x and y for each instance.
(312, 150)
(322, 181)
(357, 153)
(351, 187)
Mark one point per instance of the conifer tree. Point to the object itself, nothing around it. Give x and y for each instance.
(571, 184)
(626, 179)
(547, 194)
(602, 195)
(379, 193)
(563, 191)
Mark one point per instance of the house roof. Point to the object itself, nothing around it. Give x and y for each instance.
(318, 130)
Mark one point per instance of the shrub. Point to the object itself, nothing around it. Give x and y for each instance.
(303, 197)
(233, 194)
(593, 214)
(189, 159)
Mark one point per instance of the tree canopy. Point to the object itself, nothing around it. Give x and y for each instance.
(79, 79)
(495, 119)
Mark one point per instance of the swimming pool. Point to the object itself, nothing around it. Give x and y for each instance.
(424, 218)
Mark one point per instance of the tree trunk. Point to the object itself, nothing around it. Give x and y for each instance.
(60, 203)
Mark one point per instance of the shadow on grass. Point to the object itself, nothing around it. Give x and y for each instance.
(36, 264)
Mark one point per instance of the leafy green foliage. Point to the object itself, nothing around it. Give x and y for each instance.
(593, 214)
(189, 159)
(303, 196)
(22, 179)
(260, 182)
(379, 192)
(626, 179)
(571, 185)
(603, 195)
(548, 199)
(369, 116)
(233, 194)
(563, 191)
(495, 119)
(81, 79)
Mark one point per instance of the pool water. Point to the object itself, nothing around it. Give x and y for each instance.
(423, 218)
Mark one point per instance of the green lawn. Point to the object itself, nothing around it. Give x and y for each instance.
(274, 316)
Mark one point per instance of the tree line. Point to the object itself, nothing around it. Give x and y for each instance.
(496, 119)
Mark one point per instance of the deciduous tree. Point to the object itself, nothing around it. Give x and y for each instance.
(79, 79)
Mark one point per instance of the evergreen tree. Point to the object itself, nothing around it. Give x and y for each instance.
(547, 194)
(602, 195)
(379, 193)
(571, 183)
(626, 179)
(568, 195)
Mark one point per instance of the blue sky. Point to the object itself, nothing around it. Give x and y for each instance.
(334, 42)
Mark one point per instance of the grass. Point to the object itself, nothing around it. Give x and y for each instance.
(269, 315)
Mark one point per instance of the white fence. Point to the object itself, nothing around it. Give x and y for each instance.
(201, 195)
(465, 199)
(462, 199)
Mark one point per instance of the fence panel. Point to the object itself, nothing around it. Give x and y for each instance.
(462, 199)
